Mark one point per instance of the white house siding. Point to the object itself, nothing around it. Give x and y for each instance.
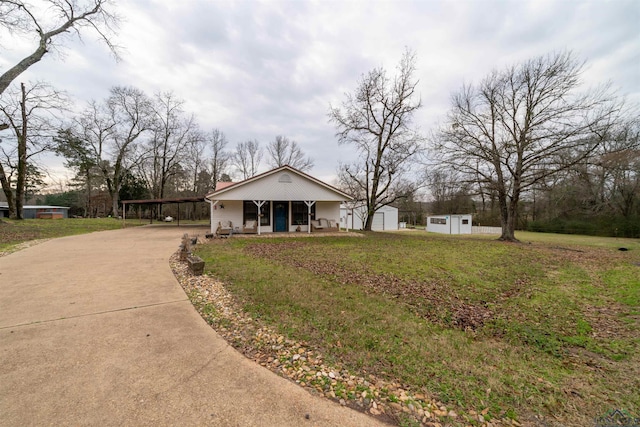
(232, 211)
(283, 184)
(328, 210)
(279, 186)
(449, 224)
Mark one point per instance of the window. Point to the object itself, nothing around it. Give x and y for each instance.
(250, 212)
(300, 213)
(465, 222)
(285, 178)
(438, 220)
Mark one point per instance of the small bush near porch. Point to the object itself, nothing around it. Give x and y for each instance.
(514, 330)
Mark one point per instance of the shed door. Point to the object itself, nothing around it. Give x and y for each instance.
(378, 221)
(455, 225)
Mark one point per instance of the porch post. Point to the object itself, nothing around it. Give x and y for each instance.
(259, 204)
(212, 204)
(309, 203)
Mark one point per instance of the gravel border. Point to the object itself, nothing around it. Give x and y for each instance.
(21, 246)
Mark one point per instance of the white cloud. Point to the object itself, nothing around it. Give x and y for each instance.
(258, 69)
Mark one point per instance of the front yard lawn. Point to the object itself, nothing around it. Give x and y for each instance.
(14, 232)
(547, 327)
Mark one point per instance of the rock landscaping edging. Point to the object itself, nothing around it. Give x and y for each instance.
(21, 246)
(386, 400)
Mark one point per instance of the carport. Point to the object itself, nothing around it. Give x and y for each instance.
(152, 202)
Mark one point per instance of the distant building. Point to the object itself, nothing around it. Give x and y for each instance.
(449, 224)
(353, 218)
(37, 211)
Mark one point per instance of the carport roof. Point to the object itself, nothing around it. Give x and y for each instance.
(163, 201)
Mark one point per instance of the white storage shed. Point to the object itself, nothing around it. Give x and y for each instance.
(353, 218)
(449, 224)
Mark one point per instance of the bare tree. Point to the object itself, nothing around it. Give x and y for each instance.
(111, 132)
(50, 20)
(247, 158)
(196, 163)
(603, 189)
(377, 120)
(284, 151)
(449, 193)
(219, 157)
(33, 116)
(172, 132)
(522, 125)
(79, 158)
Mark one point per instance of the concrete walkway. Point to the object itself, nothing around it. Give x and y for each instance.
(95, 330)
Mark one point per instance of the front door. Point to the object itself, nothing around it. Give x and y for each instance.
(280, 214)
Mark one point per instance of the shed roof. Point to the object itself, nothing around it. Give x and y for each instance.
(282, 183)
(4, 205)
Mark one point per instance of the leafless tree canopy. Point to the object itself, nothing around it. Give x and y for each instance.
(605, 186)
(247, 158)
(284, 151)
(32, 112)
(49, 21)
(522, 125)
(172, 132)
(217, 142)
(377, 120)
(112, 132)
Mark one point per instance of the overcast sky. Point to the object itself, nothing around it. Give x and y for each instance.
(259, 69)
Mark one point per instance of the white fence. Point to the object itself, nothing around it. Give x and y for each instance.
(486, 230)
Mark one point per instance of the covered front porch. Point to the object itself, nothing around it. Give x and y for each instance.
(283, 200)
(273, 216)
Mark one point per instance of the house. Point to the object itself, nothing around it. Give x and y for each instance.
(280, 200)
(37, 211)
(354, 218)
(449, 224)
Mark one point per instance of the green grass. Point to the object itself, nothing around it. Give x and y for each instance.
(14, 232)
(560, 337)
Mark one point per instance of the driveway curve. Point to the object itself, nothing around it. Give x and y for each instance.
(95, 330)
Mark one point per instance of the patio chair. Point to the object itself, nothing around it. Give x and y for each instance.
(225, 228)
(250, 227)
(324, 224)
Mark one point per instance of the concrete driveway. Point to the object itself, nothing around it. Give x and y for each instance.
(95, 330)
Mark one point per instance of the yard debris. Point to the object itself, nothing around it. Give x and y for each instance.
(299, 362)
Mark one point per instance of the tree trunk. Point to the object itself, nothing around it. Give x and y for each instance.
(22, 156)
(114, 204)
(370, 214)
(508, 218)
(8, 193)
